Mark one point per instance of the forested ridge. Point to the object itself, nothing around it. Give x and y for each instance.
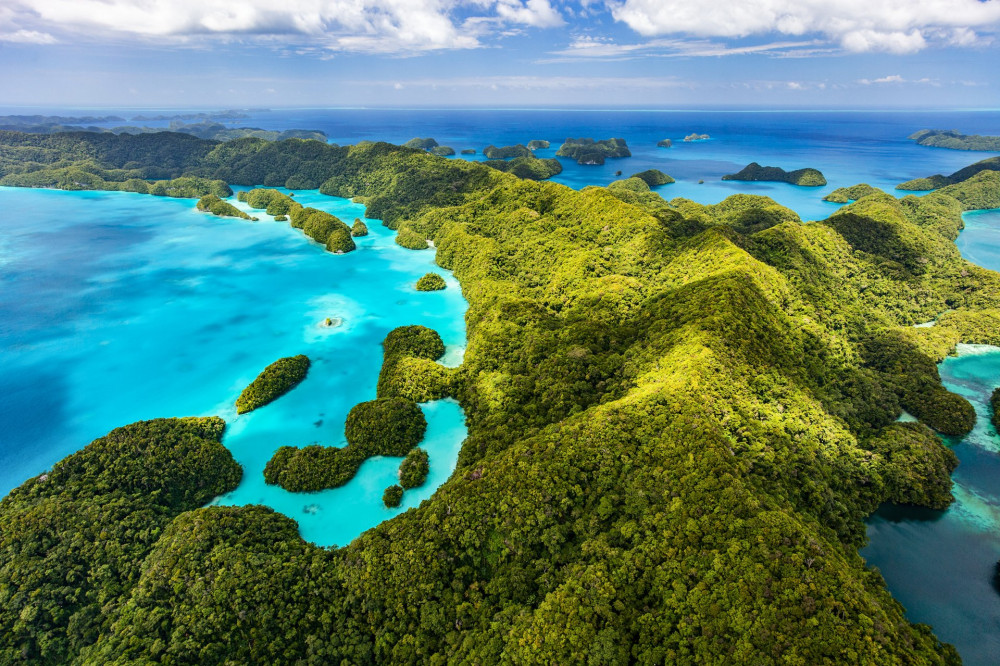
(678, 416)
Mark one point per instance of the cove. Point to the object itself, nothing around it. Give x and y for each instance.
(940, 564)
(117, 307)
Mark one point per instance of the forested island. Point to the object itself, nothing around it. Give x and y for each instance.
(275, 381)
(678, 417)
(955, 140)
(936, 181)
(588, 151)
(755, 172)
(208, 126)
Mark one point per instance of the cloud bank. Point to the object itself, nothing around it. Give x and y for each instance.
(894, 26)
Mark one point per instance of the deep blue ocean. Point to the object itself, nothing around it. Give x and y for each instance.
(117, 307)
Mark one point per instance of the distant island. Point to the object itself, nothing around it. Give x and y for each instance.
(665, 143)
(207, 126)
(529, 167)
(537, 144)
(937, 180)
(755, 172)
(697, 137)
(653, 177)
(421, 144)
(506, 152)
(590, 152)
(955, 140)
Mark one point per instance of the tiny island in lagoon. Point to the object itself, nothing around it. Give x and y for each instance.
(529, 383)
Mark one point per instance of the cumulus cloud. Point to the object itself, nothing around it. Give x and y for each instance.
(355, 25)
(895, 26)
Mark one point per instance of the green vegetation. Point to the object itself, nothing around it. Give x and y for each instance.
(280, 218)
(73, 541)
(588, 151)
(955, 140)
(210, 203)
(678, 417)
(995, 405)
(421, 144)
(756, 172)
(392, 496)
(359, 228)
(414, 468)
(409, 369)
(468, 151)
(322, 227)
(381, 427)
(653, 177)
(537, 144)
(411, 240)
(431, 282)
(530, 167)
(936, 181)
(843, 195)
(442, 151)
(664, 143)
(506, 152)
(415, 341)
(275, 381)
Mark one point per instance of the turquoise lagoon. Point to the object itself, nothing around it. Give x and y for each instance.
(118, 307)
(940, 564)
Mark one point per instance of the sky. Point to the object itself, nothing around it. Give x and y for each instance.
(499, 53)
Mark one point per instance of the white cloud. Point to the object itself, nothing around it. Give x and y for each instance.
(352, 25)
(597, 48)
(27, 37)
(895, 26)
(893, 79)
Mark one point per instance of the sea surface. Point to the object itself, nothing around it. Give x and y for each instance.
(117, 307)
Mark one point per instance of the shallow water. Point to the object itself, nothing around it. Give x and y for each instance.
(940, 564)
(117, 307)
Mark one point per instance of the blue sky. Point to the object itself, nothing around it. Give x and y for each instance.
(662, 53)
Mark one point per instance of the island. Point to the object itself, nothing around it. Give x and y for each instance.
(694, 136)
(530, 167)
(431, 282)
(414, 468)
(938, 181)
(538, 144)
(506, 152)
(380, 427)
(324, 228)
(275, 381)
(755, 172)
(679, 416)
(421, 144)
(653, 177)
(590, 152)
(393, 496)
(468, 151)
(442, 151)
(210, 203)
(955, 140)
(359, 228)
(843, 195)
(664, 143)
